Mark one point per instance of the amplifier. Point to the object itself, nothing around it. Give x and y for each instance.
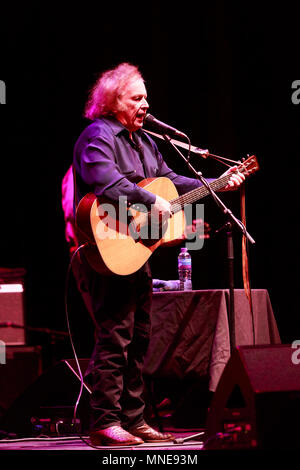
(12, 322)
(22, 366)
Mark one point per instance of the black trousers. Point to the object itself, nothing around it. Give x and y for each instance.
(122, 308)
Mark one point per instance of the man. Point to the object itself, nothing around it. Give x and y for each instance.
(110, 157)
(67, 200)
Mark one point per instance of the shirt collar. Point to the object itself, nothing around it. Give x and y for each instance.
(118, 127)
(115, 125)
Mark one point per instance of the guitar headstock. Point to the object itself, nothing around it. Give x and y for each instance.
(249, 166)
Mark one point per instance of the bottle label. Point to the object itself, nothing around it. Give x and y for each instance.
(185, 262)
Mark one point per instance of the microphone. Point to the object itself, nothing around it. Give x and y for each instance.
(162, 127)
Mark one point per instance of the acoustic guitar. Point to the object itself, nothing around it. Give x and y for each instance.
(120, 239)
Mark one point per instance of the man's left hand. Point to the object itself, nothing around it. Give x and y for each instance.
(236, 179)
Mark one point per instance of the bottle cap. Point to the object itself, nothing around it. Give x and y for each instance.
(184, 249)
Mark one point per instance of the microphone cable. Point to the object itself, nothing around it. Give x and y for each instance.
(82, 438)
(72, 342)
(69, 329)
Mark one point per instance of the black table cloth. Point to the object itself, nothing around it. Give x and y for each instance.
(190, 331)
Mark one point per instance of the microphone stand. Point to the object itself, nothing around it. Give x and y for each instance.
(230, 261)
(232, 221)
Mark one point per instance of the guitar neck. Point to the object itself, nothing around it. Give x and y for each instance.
(198, 193)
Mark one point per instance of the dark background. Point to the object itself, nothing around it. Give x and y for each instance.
(219, 71)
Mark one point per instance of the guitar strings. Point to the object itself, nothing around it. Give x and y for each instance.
(178, 203)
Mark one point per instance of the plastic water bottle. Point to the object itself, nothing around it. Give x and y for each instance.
(185, 269)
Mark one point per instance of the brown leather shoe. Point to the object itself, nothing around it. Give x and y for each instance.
(149, 434)
(114, 436)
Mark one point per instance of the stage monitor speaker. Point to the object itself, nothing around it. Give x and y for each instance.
(21, 368)
(257, 401)
(12, 311)
(49, 399)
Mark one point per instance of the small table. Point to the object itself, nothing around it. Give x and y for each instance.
(190, 332)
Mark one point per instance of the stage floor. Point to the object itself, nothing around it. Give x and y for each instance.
(182, 442)
(188, 449)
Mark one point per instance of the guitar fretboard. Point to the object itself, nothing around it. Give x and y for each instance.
(178, 203)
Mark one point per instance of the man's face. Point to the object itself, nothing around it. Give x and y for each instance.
(134, 105)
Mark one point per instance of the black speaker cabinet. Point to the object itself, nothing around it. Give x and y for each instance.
(49, 399)
(21, 368)
(257, 400)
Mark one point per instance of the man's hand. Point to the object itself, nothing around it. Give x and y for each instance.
(236, 179)
(162, 207)
(199, 228)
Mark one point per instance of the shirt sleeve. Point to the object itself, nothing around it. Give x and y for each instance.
(99, 169)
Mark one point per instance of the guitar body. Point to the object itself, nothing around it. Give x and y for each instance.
(119, 240)
(112, 234)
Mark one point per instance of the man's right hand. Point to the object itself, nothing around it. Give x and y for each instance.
(162, 207)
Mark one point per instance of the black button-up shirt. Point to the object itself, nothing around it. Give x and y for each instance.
(107, 162)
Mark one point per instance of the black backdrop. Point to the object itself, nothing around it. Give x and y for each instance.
(221, 72)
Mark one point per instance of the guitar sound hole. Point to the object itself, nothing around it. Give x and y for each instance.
(153, 231)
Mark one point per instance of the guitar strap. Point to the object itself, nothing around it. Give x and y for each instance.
(245, 261)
